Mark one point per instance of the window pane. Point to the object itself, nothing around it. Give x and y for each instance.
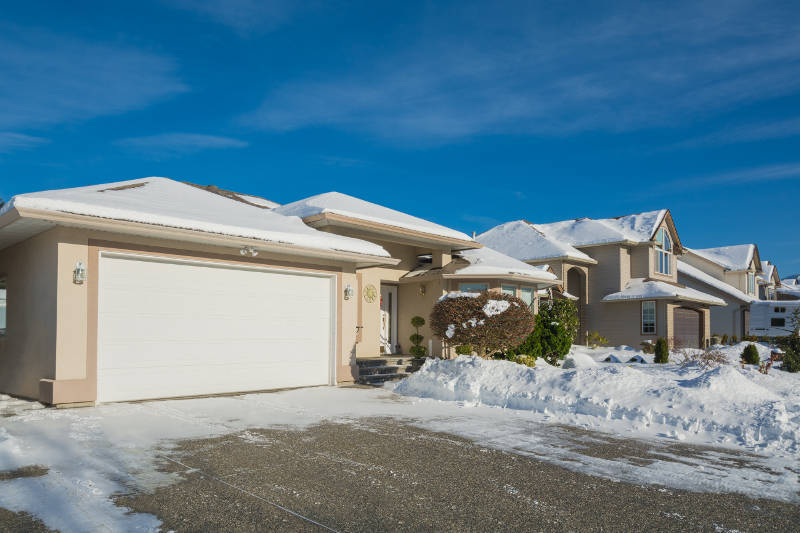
(648, 317)
(511, 290)
(526, 294)
(473, 287)
(778, 322)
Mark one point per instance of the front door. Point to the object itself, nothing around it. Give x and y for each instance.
(388, 319)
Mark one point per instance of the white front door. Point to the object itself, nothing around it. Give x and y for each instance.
(180, 328)
(388, 318)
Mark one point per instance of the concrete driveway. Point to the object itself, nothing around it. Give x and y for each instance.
(364, 473)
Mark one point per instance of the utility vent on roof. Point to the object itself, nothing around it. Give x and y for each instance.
(125, 187)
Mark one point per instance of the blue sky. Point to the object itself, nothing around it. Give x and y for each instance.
(467, 114)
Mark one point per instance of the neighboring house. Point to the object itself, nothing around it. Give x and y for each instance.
(154, 288)
(433, 260)
(730, 320)
(623, 272)
(789, 289)
(768, 281)
(773, 318)
(738, 266)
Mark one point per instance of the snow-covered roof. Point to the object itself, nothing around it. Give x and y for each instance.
(640, 227)
(486, 261)
(640, 289)
(768, 271)
(349, 206)
(259, 201)
(790, 286)
(166, 202)
(737, 257)
(711, 281)
(521, 240)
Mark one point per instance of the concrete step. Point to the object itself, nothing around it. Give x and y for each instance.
(387, 369)
(379, 379)
(389, 361)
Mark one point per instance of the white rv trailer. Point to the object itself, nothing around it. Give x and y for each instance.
(773, 318)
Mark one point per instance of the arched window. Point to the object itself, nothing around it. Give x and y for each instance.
(663, 252)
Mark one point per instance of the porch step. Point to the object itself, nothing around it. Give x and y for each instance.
(378, 370)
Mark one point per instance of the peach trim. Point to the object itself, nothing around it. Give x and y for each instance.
(330, 218)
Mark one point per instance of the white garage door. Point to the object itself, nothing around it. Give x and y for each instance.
(170, 328)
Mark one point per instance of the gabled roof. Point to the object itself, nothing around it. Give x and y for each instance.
(769, 273)
(636, 228)
(487, 263)
(711, 281)
(643, 289)
(355, 208)
(167, 203)
(790, 286)
(736, 257)
(520, 239)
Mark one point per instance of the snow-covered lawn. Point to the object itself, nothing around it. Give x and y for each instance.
(725, 405)
(91, 454)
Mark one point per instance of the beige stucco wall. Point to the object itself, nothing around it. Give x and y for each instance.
(49, 351)
(28, 349)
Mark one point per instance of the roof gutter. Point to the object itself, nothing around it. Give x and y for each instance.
(182, 234)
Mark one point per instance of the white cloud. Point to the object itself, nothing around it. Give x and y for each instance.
(48, 79)
(173, 144)
(782, 172)
(244, 16)
(10, 141)
(552, 71)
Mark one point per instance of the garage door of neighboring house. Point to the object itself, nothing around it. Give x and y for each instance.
(687, 328)
(171, 328)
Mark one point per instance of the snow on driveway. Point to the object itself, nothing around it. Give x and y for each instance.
(93, 453)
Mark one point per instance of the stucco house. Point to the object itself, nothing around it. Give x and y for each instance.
(623, 271)
(768, 281)
(155, 288)
(738, 266)
(433, 260)
(789, 289)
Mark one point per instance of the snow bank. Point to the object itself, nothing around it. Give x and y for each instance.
(722, 405)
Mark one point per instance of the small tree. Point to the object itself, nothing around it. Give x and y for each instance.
(488, 322)
(661, 351)
(725, 339)
(596, 340)
(555, 331)
(750, 355)
(417, 350)
(791, 346)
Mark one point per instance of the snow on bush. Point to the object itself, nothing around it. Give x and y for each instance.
(489, 322)
(723, 404)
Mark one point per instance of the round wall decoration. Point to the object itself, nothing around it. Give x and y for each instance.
(370, 293)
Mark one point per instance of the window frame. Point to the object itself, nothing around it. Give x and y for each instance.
(655, 317)
(512, 287)
(533, 296)
(780, 319)
(462, 285)
(663, 253)
(751, 283)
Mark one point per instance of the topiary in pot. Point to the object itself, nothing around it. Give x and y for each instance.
(417, 350)
(661, 351)
(750, 355)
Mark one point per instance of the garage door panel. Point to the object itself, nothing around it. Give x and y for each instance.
(176, 329)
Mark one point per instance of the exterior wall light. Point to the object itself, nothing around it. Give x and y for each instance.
(348, 292)
(79, 274)
(422, 290)
(248, 251)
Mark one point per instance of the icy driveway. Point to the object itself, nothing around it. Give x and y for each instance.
(92, 456)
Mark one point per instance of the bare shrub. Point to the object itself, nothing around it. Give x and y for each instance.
(709, 358)
(490, 322)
